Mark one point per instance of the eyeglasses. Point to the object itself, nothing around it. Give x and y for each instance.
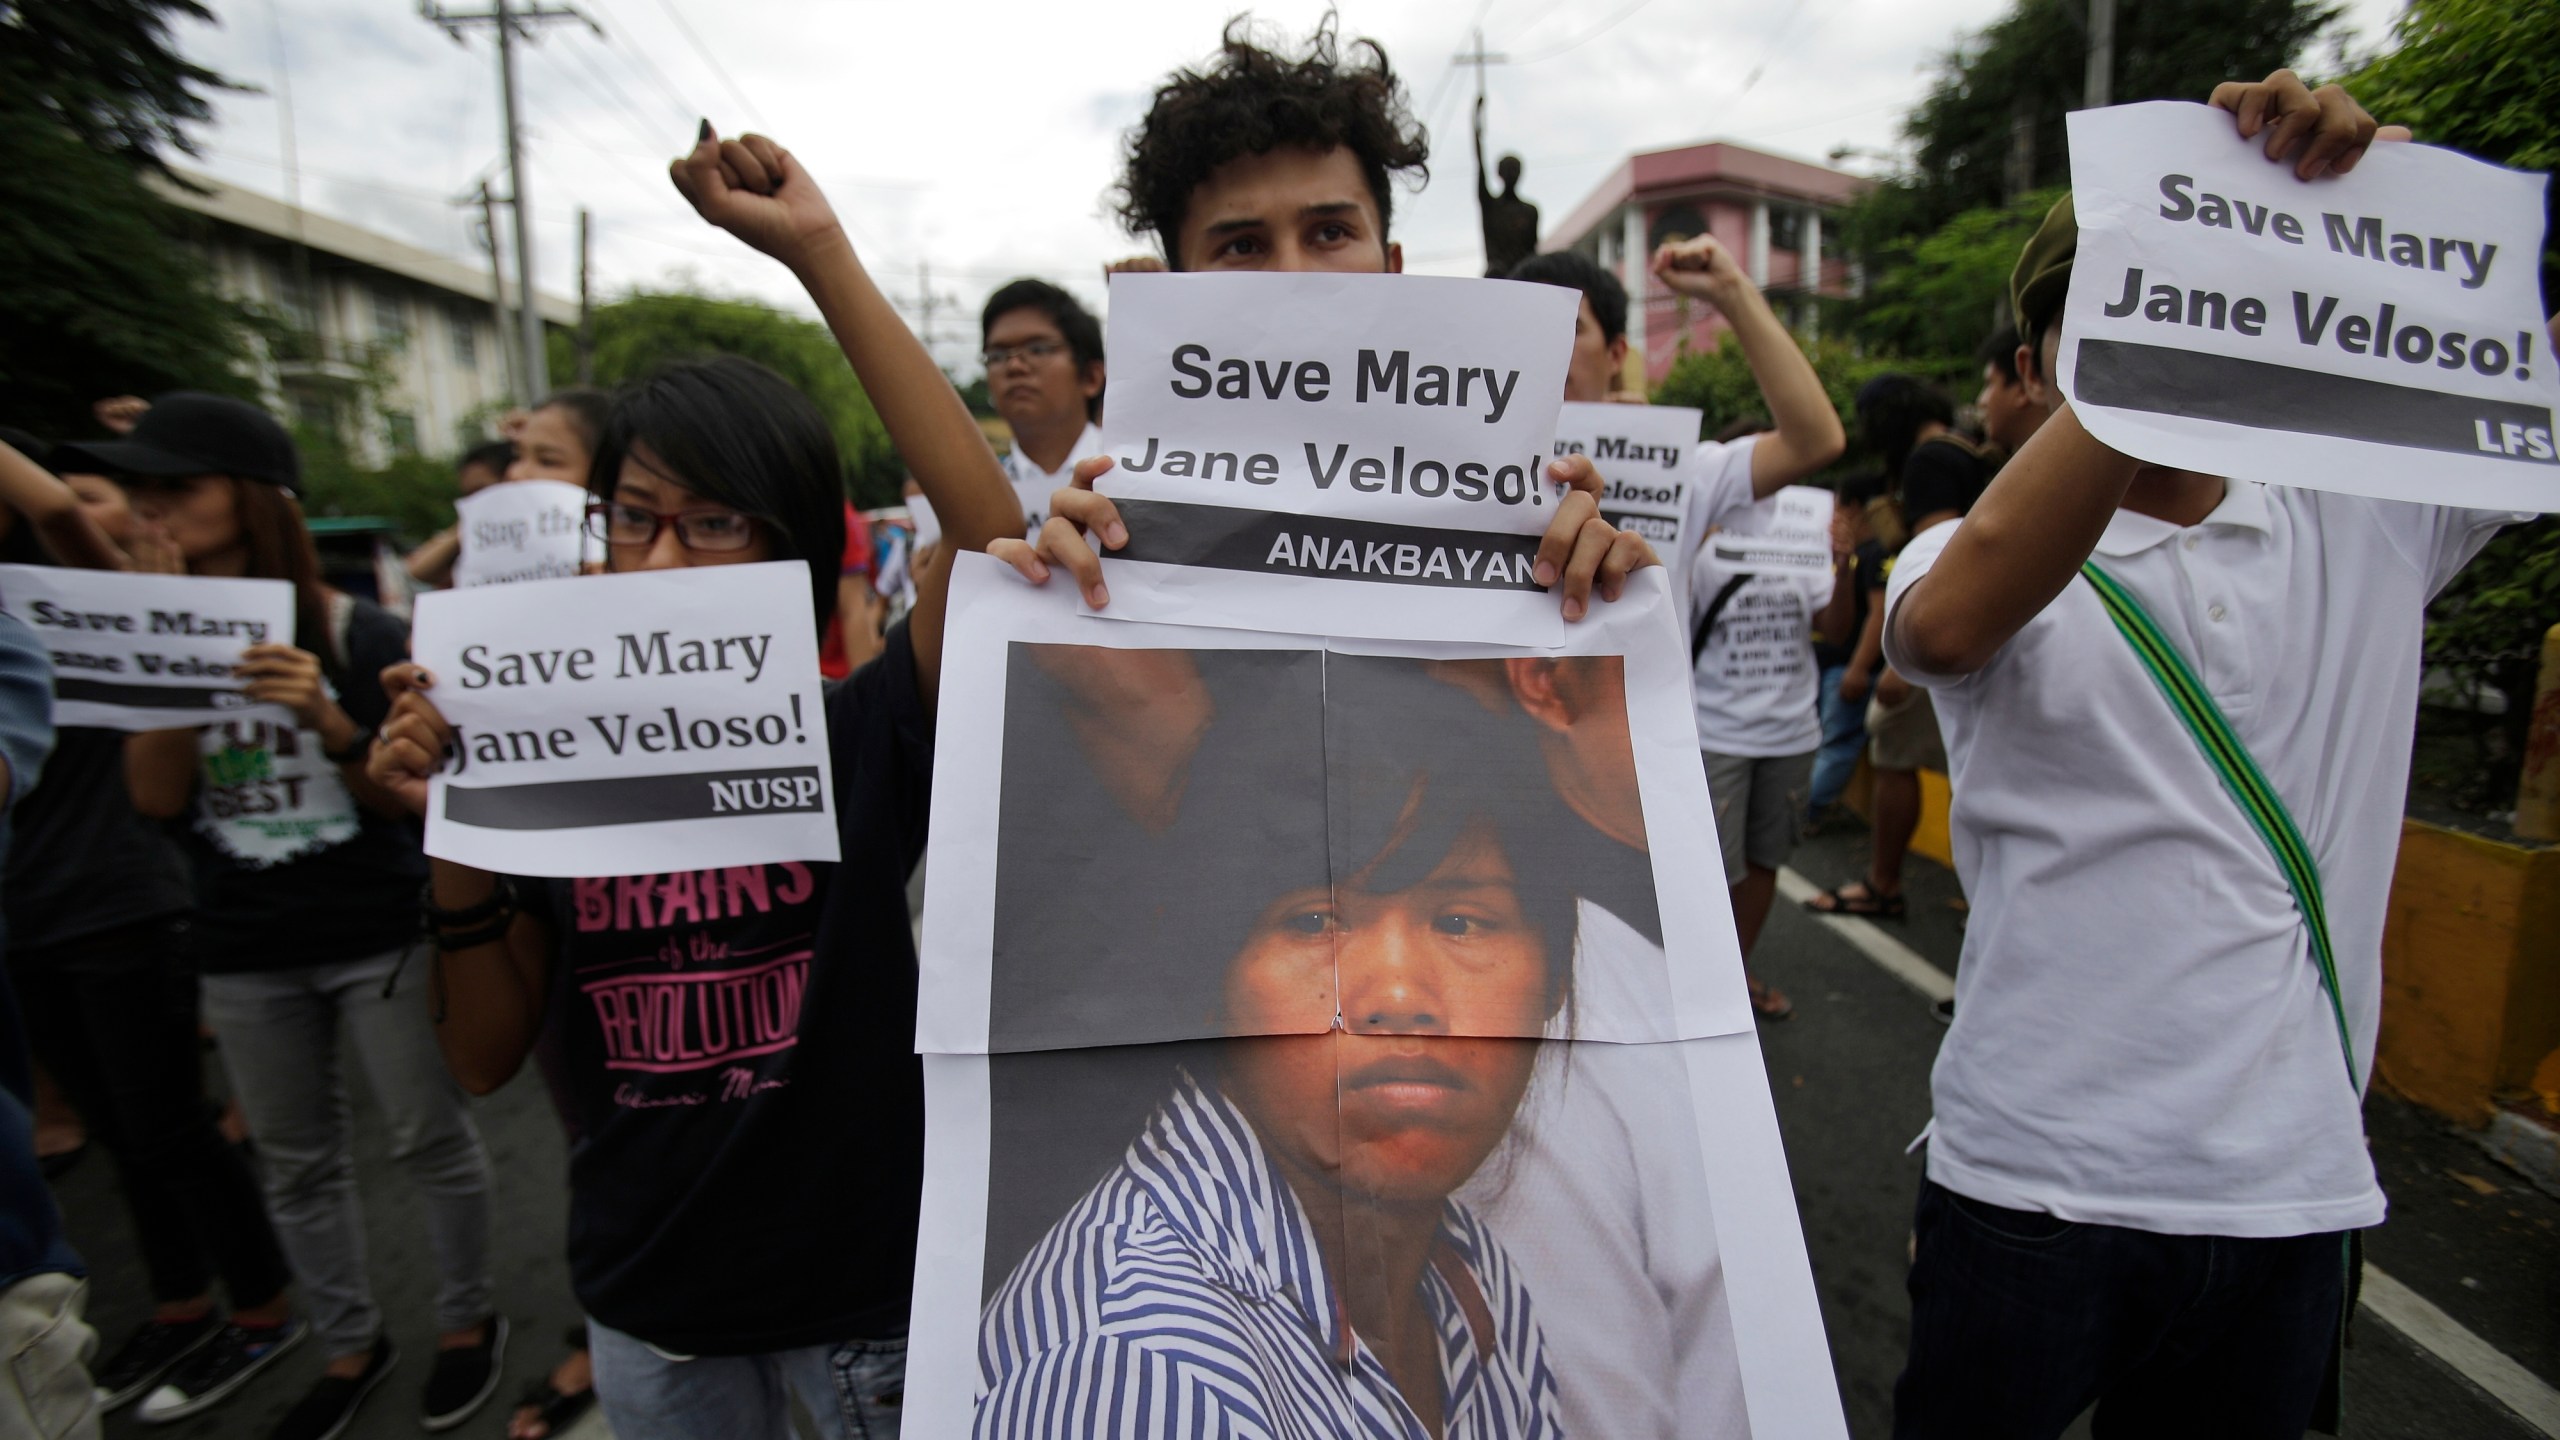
(711, 531)
(1029, 351)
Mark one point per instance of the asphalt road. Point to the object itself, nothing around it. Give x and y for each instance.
(1850, 1073)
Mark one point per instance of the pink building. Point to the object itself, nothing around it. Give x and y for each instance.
(1767, 209)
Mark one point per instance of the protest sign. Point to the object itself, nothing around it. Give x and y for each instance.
(521, 530)
(629, 724)
(1643, 454)
(2379, 333)
(1795, 540)
(1290, 451)
(1204, 841)
(148, 652)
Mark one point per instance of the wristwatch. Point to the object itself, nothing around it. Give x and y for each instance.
(354, 750)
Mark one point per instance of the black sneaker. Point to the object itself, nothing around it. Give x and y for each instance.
(330, 1405)
(463, 1380)
(147, 1354)
(219, 1366)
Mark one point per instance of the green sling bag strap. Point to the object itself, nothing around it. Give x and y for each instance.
(2267, 814)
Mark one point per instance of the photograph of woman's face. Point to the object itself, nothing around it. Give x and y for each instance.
(1411, 1079)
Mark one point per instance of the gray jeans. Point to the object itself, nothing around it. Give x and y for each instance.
(853, 1389)
(280, 1042)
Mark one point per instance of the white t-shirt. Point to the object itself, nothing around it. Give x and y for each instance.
(2141, 1036)
(1754, 684)
(1718, 483)
(1033, 485)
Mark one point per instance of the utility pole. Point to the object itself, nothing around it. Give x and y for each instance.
(507, 353)
(1479, 57)
(586, 297)
(515, 20)
(929, 303)
(2097, 87)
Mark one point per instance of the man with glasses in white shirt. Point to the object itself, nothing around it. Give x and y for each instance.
(1043, 353)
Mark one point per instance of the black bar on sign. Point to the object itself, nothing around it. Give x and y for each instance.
(636, 799)
(149, 697)
(2162, 381)
(1228, 537)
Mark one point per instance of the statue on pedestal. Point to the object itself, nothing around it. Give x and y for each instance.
(1510, 223)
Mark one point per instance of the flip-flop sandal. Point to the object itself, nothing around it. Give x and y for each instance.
(1865, 903)
(553, 1411)
(1770, 1004)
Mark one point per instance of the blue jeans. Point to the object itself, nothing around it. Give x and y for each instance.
(2019, 1320)
(853, 1389)
(1844, 734)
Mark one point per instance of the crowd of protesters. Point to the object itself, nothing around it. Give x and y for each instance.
(2144, 1053)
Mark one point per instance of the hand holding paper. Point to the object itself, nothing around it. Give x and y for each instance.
(620, 724)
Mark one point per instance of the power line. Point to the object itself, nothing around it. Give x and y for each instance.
(1631, 7)
(703, 52)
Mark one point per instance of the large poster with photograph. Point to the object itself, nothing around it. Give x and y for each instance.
(1331, 1039)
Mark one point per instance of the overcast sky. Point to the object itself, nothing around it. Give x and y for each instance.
(979, 138)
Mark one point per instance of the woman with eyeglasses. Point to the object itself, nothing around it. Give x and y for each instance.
(738, 1044)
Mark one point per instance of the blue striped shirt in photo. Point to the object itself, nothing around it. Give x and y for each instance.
(1185, 1296)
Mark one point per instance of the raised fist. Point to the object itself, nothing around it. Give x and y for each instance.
(755, 190)
(1702, 267)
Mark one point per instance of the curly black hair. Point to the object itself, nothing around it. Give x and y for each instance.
(1250, 100)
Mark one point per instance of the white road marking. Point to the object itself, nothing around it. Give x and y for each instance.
(2531, 1398)
(2475, 1359)
(1899, 960)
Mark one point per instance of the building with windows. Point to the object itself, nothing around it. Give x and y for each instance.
(1770, 211)
(394, 349)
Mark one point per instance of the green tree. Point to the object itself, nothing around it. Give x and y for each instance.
(2026, 69)
(1719, 383)
(2483, 76)
(644, 330)
(103, 295)
(1939, 295)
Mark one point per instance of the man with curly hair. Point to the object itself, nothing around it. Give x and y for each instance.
(1267, 159)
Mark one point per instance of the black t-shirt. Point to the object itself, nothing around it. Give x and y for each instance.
(739, 1047)
(1866, 576)
(84, 860)
(289, 869)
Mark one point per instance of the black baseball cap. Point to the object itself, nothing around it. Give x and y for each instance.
(187, 432)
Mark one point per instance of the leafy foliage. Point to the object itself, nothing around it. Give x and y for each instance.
(2028, 66)
(2483, 76)
(104, 297)
(641, 331)
(1719, 382)
(104, 72)
(413, 492)
(1939, 295)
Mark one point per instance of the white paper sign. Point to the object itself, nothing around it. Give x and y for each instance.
(1350, 454)
(148, 652)
(629, 724)
(521, 530)
(2380, 333)
(1128, 1002)
(1643, 454)
(1796, 541)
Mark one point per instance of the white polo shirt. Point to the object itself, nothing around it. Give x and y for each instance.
(1033, 486)
(2141, 1037)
